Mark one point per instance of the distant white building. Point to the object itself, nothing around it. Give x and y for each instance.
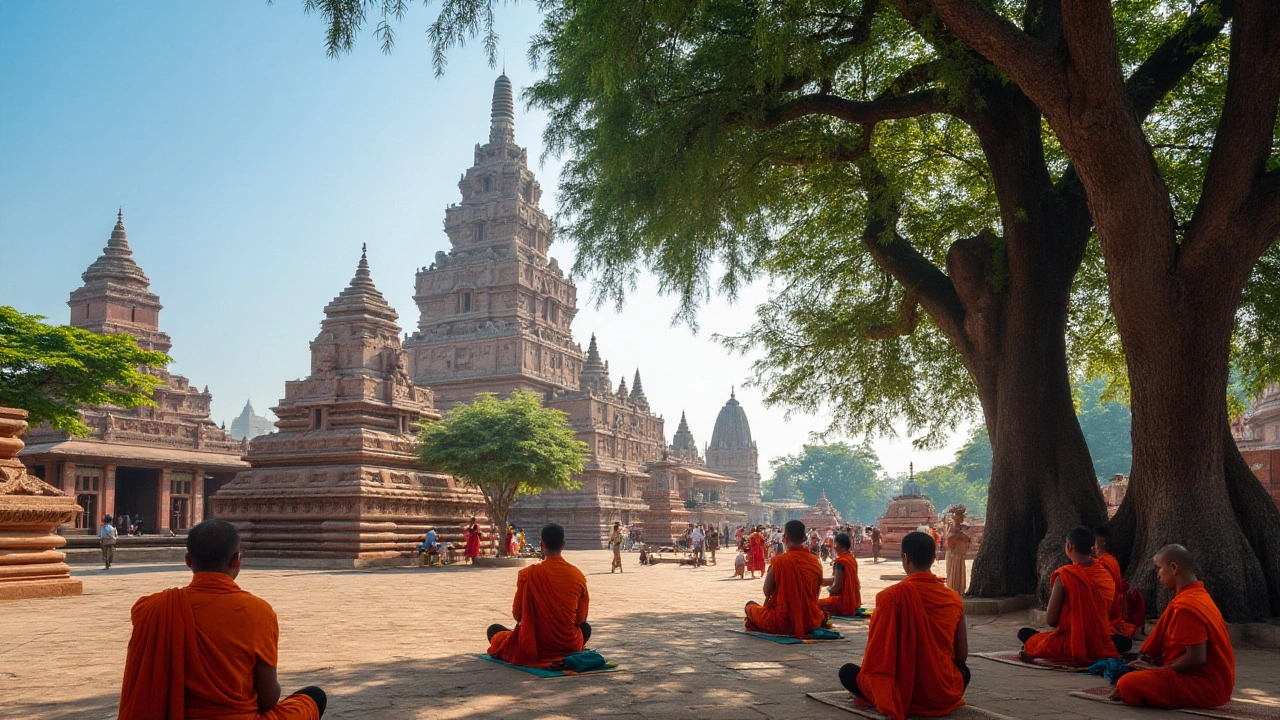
(250, 425)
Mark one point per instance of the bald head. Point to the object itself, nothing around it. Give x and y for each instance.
(212, 546)
(1175, 566)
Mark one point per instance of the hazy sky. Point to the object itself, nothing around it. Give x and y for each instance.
(251, 167)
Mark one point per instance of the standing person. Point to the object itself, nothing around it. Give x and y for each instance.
(713, 543)
(738, 538)
(615, 544)
(472, 536)
(208, 650)
(698, 539)
(755, 553)
(107, 537)
(957, 548)
(875, 543)
(740, 565)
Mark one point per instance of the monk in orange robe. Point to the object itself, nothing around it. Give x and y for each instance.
(917, 644)
(209, 649)
(1188, 661)
(1116, 614)
(755, 553)
(791, 589)
(1078, 608)
(550, 610)
(843, 586)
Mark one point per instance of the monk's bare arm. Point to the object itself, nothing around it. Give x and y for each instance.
(584, 604)
(266, 685)
(961, 642)
(1054, 613)
(1193, 659)
(836, 581)
(769, 586)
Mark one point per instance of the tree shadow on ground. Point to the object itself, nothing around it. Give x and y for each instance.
(672, 665)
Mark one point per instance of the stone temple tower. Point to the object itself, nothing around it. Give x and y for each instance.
(116, 297)
(495, 312)
(732, 452)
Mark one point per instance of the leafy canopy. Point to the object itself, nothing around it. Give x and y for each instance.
(505, 448)
(848, 474)
(51, 371)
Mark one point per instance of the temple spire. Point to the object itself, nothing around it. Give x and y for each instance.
(502, 123)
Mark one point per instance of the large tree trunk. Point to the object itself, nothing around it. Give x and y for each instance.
(1256, 513)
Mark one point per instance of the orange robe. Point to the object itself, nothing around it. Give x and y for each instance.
(551, 601)
(792, 609)
(192, 654)
(755, 553)
(1083, 634)
(909, 667)
(850, 597)
(1116, 614)
(1190, 618)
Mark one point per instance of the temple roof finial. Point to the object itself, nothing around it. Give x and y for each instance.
(120, 213)
(503, 116)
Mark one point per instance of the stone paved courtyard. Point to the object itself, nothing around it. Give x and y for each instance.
(398, 644)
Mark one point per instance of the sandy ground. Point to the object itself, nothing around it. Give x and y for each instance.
(399, 644)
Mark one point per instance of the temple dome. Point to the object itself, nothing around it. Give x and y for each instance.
(911, 489)
(732, 431)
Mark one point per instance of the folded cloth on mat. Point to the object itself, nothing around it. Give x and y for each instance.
(1013, 657)
(1110, 668)
(843, 700)
(609, 666)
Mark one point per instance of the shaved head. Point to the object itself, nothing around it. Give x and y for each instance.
(211, 545)
(1177, 554)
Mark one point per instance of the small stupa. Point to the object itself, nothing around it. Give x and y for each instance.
(907, 512)
(822, 515)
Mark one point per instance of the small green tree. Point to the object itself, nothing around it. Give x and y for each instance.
(51, 371)
(505, 448)
(849, 475)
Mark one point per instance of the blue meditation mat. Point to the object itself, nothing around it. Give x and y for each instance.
(609, 666)
(787, 639)
(862, 614)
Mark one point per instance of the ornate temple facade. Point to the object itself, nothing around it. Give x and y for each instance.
(158, 463)
(495, 311)
(248, 424)
(1257, 434)
(338, 484)
(733, 453)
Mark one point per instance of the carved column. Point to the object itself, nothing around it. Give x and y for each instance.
(108, 495)
(196, 507)
(162, 516)
(31, 566)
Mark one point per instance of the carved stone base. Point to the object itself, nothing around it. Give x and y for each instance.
(31, 565)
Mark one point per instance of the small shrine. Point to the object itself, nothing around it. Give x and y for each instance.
(30, 509)
(822, 515)
(907, 513)
(666, 516)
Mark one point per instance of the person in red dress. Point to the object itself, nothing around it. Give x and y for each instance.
(755, 554)
(472, 550)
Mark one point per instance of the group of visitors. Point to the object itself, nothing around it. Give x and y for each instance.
(210, 649)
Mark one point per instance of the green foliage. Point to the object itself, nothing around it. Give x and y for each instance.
(51, 371)
(945, 485)
(506, 448)
(850, 476)
(1106, 426)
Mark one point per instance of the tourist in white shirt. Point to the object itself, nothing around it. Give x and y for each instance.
(107, 536)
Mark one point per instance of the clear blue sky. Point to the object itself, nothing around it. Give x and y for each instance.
(251, 167)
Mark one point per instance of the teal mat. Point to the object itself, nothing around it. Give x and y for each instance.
(785, 639)
(864, 616)
(543, 672)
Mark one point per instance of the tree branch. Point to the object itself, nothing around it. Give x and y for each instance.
(905, 324)
(888, 107)
(1169, 63)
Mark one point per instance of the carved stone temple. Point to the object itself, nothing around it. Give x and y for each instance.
(494, 316)
(31, 565)
(159, 463)
(906, 513)
(823, 515)
(338, 484)
(733, 453)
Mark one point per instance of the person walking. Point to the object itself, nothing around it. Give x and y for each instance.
(107, 535)
(615, 544)
(698, 538)
(713, 543)
(875, 543)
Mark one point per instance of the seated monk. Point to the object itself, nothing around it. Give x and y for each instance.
(1078, 608)
(917, 644)
(843, 586)
(1188, 659)
(208, 650)
(550, 610)
(791, 589)
(1116, 615)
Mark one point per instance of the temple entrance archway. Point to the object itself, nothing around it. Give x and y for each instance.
(138, 493)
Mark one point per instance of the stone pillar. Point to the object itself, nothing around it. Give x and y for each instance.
(108, 495)
(68, 478)
(162, 516)
(31, 566)
(196, 508)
